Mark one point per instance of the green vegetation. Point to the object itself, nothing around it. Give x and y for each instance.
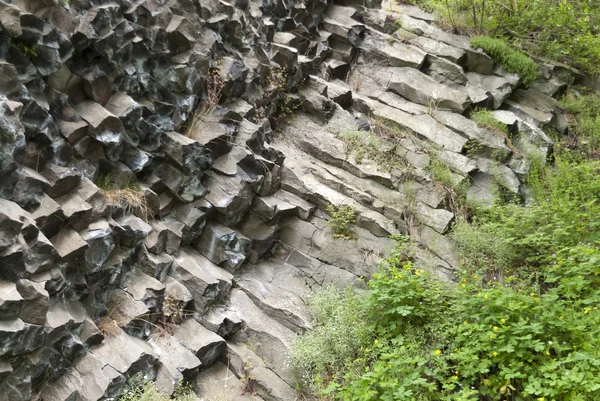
(512, 60)
(370, 146)
(342, 217)
(447, 181)
(568, 31)
(485, 119)
(339, 331)
(28, 51)
(521, 324)
(126, 195)
(147, 391)
(584, 126)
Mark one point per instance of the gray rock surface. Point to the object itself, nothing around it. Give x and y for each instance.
(166, 170)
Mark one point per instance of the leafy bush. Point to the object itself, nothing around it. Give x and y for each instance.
(147, 391)
(485, 119)
(512, 60)
(568, 31)
(522, 324)
(585, 124)
(342, 217)
(339, 330)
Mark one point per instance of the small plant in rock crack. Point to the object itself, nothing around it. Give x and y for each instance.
(342, 217)
(28, 51)
(128, 195)
(214, 91)
(248, 378)
(485, 119)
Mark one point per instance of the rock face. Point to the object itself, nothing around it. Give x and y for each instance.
(166, 170)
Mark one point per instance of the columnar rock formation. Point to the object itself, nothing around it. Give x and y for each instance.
(137, 239)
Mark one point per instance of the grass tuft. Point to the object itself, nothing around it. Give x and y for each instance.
(512, 60)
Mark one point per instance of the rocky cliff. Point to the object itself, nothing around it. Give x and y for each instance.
(166, 168)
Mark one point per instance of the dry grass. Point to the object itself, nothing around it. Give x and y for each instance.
(132, 200)
(108, 326)
(214, 89)
(129, 196)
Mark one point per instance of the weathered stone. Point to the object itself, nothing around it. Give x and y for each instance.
(230, 196)
(537, 109)
(69, 244)
(223, 246)
(98, 378)
(17, 337)
(488, 143)
(218, 381)
(76, 210)
(439, 49)
(188, 154)
(126, 354)
(165, 236)
(103, 126)
(423, 125)
(30, 189)
(176, 362)
(132, 231)
(285, 303)
(11, 301)
(205, 344)
(143, 287)
(10, 21)
(157, 266)
(62, 180)
(67, 388)
(422, 89)
(267, 383)
(36, 301)
(207, 282)
(396, 54)
(445, 71)
(499, 87)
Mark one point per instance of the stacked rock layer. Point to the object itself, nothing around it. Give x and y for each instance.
(166, 167)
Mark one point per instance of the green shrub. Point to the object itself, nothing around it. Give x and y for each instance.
(568, 31)
(585, 124)
(485, 119)
(147, 391)
(342, 217)
(339, 329)
(475, 342)
(522, 323)
(512, 60)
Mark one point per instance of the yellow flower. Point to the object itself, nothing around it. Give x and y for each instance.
(495, 328)
(579, 277)
(376, 341)
(502, 320)
(438, 352)
(485, 296)
(456, 371)
(462, 285)
(491, 336)
(455, 377)
(541, 399)
(532, 294)
(547, 352)
(495, 353)
(465, 322)
(586, 310)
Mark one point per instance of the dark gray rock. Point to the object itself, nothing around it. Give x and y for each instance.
(223, 246)
(205, 344)
(207, 282)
